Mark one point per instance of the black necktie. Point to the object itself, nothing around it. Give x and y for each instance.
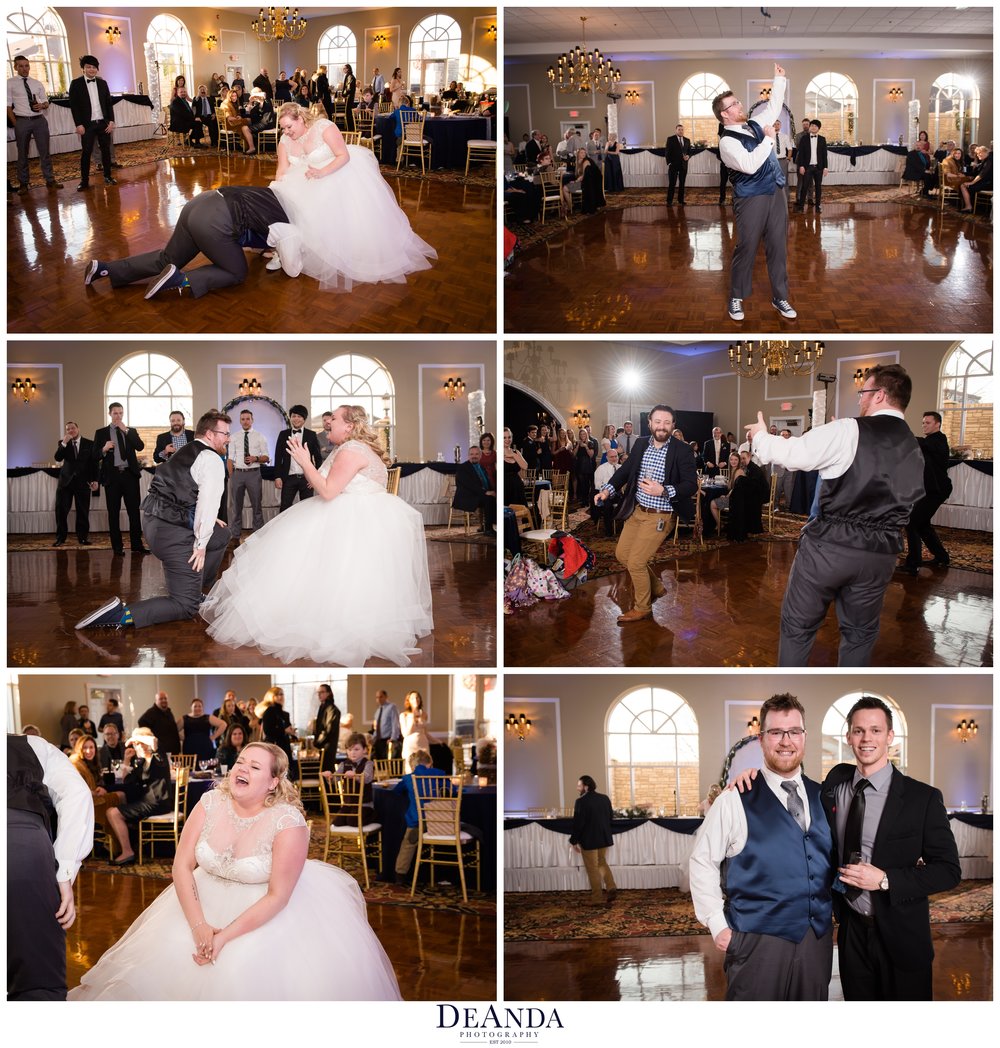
(27, 91)
(246, 446)
(852, 831)
(121, 444)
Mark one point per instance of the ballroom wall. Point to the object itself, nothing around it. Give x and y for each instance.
(588, 375)
(569, 732)
(534, 102)
(426, 423)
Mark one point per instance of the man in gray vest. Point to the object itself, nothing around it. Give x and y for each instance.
(183, 521)
(872, 472)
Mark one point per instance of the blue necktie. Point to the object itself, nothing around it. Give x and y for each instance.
(480, 472)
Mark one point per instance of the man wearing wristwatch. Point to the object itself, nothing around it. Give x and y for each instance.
(894, 848)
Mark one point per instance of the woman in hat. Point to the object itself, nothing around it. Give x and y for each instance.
(148, 790)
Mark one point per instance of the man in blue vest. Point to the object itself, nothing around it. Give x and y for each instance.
(746, 148)
(762, 872)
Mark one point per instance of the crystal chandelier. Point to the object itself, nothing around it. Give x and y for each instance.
(584, 71)
(775, 358)
(278, 23)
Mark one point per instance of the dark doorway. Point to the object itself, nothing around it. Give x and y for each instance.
(521, 410)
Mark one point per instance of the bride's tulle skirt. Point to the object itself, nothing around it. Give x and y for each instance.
(346, 228)
(336, 582)
(320, 947)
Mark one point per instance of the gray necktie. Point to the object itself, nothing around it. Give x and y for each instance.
(795, 808)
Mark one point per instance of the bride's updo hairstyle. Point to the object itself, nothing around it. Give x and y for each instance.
(284, 792)
(362, 431)
(297, 112)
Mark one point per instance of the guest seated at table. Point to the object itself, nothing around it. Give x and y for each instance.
(918, 164)
(231, 120)
(357, 765)
(588, 181)
(451, 95)
(488, 457)
(199, 730)
(982, 180)
(758, 491)
(722, 502)
(232, 742)
(260, 112)
(544, 161)
(513, 463)
(84, 759)
(112, 749)
(952, 170)
(302, 95)
(367, 103)
(184, 120)
(608, 509)
(74, 737)
(473, 492)
(204, 109)
(523, 198)
(421, 765)
(147, 787)
(405, 106)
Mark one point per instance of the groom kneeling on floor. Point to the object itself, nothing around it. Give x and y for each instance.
(184, 522)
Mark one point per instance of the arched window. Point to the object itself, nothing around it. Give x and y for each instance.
(435, 52)
(338, 47)
(169, 43)
(652, 747)
(832, 98)
(953, 110)
(38, 33)
(966, 395)
(149, 386)
(356, 379)
(694, 106)
(835, 748)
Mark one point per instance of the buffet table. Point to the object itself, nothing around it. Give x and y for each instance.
(974, 836)
(135, 120)
(970, 504)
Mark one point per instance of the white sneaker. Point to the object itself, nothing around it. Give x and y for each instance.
(274, 265)
(736, 309)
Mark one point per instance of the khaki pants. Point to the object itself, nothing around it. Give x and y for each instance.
(596, 865)
(637, 544)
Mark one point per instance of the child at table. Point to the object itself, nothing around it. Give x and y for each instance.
(357, 765)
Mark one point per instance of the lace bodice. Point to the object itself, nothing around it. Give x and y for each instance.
(374, 472)
(310, 149)
(236, 849)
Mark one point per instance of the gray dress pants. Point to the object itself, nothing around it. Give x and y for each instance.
(250, 481)
(766, 968)
(760, 218)
(26, 127)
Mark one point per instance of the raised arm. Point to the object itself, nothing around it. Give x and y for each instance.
(345, 466)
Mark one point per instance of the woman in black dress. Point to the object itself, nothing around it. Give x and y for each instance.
(199, 730)
(513, 463)
(349, 90)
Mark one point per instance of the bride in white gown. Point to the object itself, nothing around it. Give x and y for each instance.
(345, 226)
(248, 917)
(354, 551)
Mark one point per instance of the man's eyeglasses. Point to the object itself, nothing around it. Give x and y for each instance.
(222, 432)
(735, 102)
(777, 734)
(862, 392)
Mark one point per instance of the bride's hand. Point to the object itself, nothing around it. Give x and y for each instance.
(298, 452)
(312, 172)
(203, 935)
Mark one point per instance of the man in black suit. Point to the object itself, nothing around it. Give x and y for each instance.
(678, 154)
(327, 736)
(114, 451)
(263, 82)
(473, 491)
(204, 110)
(184, 120)
(93, 114)
(716, 452)
(810, 157)
(76, 482)
(894, 847)
(659, 480)
(533, 148)
(174, 439)
(937, 490)
(290, 480)
(591, 837)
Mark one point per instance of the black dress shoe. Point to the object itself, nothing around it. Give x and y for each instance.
(130, 861)
(118, 551)
(819, 210)
(84, 542)
(937, 562)
(59, 542)
(109, 181)
(140, 551)
(82, 187)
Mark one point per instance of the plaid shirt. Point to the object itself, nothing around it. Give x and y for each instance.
(653, 467)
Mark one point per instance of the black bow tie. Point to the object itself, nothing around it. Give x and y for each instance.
(296, 432)
(89, 81)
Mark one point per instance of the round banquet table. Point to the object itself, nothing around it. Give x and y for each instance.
(448, 136)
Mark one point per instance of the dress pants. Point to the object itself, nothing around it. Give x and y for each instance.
(823, 573)
(637, 544)
(867, 972)
(172, 545)
(36, 944)
(766, 968)
(251, 482)
(676, 173)
(205, 227)
(599, 874)
(292, 485)
(93, 131)
(407, 850)
(77, 493)
(123, 486)
(763, 217)
(920, 529)
(24, 129)
(384, 749)
(812, 178)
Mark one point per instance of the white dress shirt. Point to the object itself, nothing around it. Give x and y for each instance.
(209, 473)
(813, 159)
(722, 835)
(17, 97)
(74, 806)
(737, 158)
(294, 469)
(830, 449)
(258, 446)
(96, 113)
(603, 474)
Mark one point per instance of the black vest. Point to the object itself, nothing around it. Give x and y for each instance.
(173, 494)
(869, 505)
(25, 789)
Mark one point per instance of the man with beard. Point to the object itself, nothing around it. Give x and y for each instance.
(174, 439)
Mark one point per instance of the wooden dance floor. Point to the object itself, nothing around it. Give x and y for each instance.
(858, 268)
(723, 608)
(689, 968)
(52, 236)
(48, 593)
(437, 955)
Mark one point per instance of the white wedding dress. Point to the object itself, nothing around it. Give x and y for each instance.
(344, 228)
(334, 581)
(320, 947)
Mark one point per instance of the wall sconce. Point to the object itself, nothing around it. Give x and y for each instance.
(454, 387)
(895, 94)
(492, 30)
(23, 389)
(581, 417)
(753, 725)
(211, 41)
(380, 41)
(250, 387)
(860, 376)
(519, 726)
(966, 729)
(765, 93)
(631, 96)
(112, 33)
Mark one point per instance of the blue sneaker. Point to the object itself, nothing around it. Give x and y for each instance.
(107, 616)
(736, 308)
(784, 308)
(169, 279)
(95, 269)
